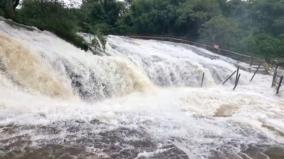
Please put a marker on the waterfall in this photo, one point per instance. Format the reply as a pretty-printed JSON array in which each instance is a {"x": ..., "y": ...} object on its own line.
[
  {"x": 172, "y": 64},
  {"x": 54, "y": 67},
  {"x": 25, "y": 69},
  {"x": 142, "y": 99},
  {"x": 135, "y": 65}
]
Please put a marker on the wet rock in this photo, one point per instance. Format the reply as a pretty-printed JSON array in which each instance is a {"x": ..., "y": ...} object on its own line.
[
  {"x": 8, "y": 129},
  {"x": 275, "y": 152},
  {"x": 224, "y": 155},
  {"x": 171, "y": 152},
  {"x": 73, "y": 129},
  {"x": 255, "y": 153},
  {"x": 226, "y": 111},
  {"x": 96, "y": 122},
  {"x": 118, "y": 143},
  {"x": 48, "y": 130},
  {"x": 52, "y": 152},
  {"x": 250, "y": 152}
]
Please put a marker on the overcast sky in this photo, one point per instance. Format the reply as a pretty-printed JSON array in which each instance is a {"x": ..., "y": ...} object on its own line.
[
  {"x": 77, "y": 2},
  {"x": 74, "y": 3}
]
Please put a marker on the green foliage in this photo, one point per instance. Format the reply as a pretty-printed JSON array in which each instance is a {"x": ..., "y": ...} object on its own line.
[
  {"x": 172, "y": 17},
  {"x": 2, "y": 8},
  {"x": 152, "y": 16},
  {"x": 52, "y": 16},
  {"x": 251, "y": 26},
  {"x": 100, "y": 15},
  {"x": 7, "y": 8},
  {"x": 266, "y": 45},
  {"x": 220, "y": 30},
  {"x": 1, "y": 12},
  {"x": 269, "y": 16},
  {"x": 255, "y": 26},
  {"x": 100, "y": 39},
  {"x": 193, "y": 14}
]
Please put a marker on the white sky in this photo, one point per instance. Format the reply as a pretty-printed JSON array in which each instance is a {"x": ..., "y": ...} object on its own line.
[{"x": 77, "y": 2}]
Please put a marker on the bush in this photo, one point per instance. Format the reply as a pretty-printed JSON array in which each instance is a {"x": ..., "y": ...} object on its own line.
[
  {"x": 266, "y": 46},
  {"x": 220, "y": 30},
  {"x": 1, "y": 13},
  {"x": 53, "y": 16}
]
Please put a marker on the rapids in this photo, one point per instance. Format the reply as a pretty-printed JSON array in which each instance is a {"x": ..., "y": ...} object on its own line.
[{"x": 142, "y": 101}]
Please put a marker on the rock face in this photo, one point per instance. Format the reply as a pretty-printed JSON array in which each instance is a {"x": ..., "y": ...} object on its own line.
[
  {"x": 137, "y": 103},
  {"x": 226, "y": 111},
  {"x": 81, "y": 140}
]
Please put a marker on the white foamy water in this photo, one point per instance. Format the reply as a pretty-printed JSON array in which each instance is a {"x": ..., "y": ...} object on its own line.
[{"x": 145, "y": 85}]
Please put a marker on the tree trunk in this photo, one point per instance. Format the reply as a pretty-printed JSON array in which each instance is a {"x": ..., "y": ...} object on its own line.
[
  {"x": 9, "y": 10},
  {"x": 9, "y": 7}
]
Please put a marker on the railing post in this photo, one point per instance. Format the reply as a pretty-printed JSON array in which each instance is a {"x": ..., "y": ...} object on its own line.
[
  {"x": 279, "y": 85},
  {"x": 274, "y": 76},
  {"x": 202, "y": 80},
  {"x": 238, "y": 70},
  {"x": 251, "y": 61},
  {"x": 255, "y": 73},
  {"x": 229, "y": 77},
  {"x": 237, "y": 82}
]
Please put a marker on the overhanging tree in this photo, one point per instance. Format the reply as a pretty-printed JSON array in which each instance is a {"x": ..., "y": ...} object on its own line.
[{"x": 8, "y": 7}]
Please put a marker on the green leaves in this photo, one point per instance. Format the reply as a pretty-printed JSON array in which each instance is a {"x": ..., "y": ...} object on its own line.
[
  {"x": 101, "y": 14},
  {"x": 267, "y": 46},
  {"x": 220, "y": 30},
  {"x": 51, "y": 15},
  {"x": 7, "y": 8},
  {"x": 255, "y": 26}
]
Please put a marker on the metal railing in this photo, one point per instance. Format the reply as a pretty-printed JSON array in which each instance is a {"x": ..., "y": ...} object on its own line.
[{"x": 252, "y": 60}]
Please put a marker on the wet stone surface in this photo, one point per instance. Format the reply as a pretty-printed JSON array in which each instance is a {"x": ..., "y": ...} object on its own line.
[
  {"x": 250, "y": 152},
  {"x": 79, "y": 139}
]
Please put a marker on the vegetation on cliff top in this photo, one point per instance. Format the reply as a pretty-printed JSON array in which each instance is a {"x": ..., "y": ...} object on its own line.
[{"x": 252, "y": 26}]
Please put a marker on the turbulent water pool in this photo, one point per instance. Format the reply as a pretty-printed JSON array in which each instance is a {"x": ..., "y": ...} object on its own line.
[{"x": 142, "y": 101}]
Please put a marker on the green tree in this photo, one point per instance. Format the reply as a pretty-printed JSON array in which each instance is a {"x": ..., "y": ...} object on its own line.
[
  {"x": 192, "y": 14},
  {"x": 51, "y": 15},
  {"x": 266, "y": 46},
  {"x": 100, "y": 15},
  {"x": 268, "y": 15},
  {"x": 153, "y": 16},
  {"x": 8, "y": 7},
  {"x": 220, "y": 30},
  {"x": 255, "y": 26}
]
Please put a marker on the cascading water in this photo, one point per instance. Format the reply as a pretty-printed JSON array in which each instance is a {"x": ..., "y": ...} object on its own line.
[
  {"x": 143, "y": 101},
  {"x": 27, "y": 70},
  {"x": 92, "y": 77},
  {"x": 171, "y": 64}
]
